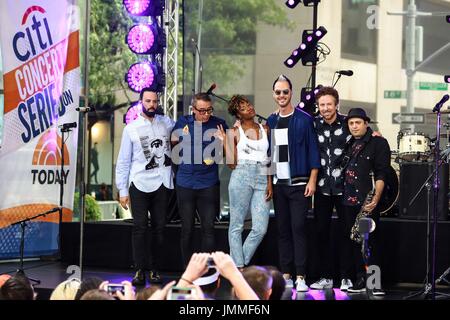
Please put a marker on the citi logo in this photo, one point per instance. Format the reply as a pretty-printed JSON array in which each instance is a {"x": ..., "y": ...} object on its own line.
[
  {"x": 48, "y": 153},
  {"x": 25, "y": 43}
]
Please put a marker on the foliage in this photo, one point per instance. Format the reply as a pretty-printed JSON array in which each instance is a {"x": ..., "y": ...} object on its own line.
[
  {"x": 109, "y": 54},
  {"x": 227, "y": 28},
  {"x": 92, "y": 207}
]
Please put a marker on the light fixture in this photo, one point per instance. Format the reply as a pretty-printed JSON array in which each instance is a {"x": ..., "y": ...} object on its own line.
[
  {"x": 144, "y": 7},
  {"x": 447, "y": 78},
  {"x": 146, "y": 39},
  {"x": 307, "y": 49},
  {"x": 292, "y": 3},
  {"x": 308, "y": 99},
  {"x": 144, "y": 75}
]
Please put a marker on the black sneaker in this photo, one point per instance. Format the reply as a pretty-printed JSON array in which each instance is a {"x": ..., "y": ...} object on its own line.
[
  {"x": 358, "y": 287},
  {"x": 154, "y": 277},
  {"x": 139, "y": 278}
]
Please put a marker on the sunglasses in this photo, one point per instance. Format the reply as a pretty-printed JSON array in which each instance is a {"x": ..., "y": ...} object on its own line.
[
  {"x": 204, "y": 111},
  {"x": 285, "y": 92}
]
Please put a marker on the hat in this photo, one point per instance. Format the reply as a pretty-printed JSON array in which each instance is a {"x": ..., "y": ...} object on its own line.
[{"x": 357, "y": 113}]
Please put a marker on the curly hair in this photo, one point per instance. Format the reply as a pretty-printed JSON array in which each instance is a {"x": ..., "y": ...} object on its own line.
[
  {"x": 235, "y": 102},
  {"x": 324, "y": 91}
]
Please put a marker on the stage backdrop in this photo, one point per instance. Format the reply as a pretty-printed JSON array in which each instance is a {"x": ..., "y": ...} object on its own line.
[{"x": 40, "y": 52}]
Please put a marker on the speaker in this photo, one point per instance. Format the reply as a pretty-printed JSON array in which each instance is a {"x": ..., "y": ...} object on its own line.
[{"x": 412, "y": 177}]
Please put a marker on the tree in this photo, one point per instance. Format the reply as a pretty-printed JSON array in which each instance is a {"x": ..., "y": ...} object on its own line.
[
  {"x": 229, "y": 28},
  {"x": 110, "y": 57}
]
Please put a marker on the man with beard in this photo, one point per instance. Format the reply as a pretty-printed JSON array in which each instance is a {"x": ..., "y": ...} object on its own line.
[{"x": 144, "y": 177}]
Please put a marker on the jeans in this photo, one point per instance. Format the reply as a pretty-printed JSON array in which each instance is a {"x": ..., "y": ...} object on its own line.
[{"x": 247, "y": 191}]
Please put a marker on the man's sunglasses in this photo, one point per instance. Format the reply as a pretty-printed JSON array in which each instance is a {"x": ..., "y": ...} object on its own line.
[
  {"x": 204, "y": 111},
  {"x": 285, "y": 92}
]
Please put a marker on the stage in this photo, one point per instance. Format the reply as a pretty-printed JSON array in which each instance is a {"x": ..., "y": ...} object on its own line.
[{"x": 107, "y": 244}]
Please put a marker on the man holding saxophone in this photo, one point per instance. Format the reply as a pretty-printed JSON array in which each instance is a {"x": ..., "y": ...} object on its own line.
[{"x": 367, "y": 157}]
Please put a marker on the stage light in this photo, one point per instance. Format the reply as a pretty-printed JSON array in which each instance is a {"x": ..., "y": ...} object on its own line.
[
  {"x": 144, "y": 7},
  {"x": 133, "y": 112},
  {"x": 307, "y": 49},
  {"x": 307, "y": 3},
  {"x": 310, "y": 3},
  {"x": 146, "y": 39},
  {"x": 292, "y": 3},
  {"x": 447, "y": 18},
  {"x": 308, "y": 99},
  {"x": 447, "y": 78},
  {"x": 144, "y": 74}
]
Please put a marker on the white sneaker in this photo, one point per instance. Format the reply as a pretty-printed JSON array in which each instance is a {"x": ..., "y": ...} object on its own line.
[
  {"x": 289, "y": 283},
  {"x": 322, "y": 284},
  {"x": 301, "y": 285},
  {"x": 346, "y": 284}
]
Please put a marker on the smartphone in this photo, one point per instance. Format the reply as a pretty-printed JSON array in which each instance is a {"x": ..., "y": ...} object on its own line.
[
  {"x": 179, "y": 293},
  {"x": 210, "y": 262},
  {"x": 111, "y": 288}
]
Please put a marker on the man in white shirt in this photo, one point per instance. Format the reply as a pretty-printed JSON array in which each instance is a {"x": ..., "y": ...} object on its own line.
[{"x": 143, "y": 178}]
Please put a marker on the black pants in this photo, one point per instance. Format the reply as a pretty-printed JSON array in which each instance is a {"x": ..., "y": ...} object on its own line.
[
  {"x": 207, "y": 203},
  {"x": 323, "y": 210},
  {"x": 147, "y": 251},
  {"x": 354, "y": 254},
  {"x": 291, "y": 208}
]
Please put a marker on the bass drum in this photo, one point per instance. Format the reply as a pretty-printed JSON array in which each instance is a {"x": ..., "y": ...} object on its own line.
[{"x": 390, "y": 192}]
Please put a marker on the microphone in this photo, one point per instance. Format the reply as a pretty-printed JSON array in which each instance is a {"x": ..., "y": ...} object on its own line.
[
  {"x": 68, "y": 125},
  {"x": 210, "y": 90},
  {"x": 85, "y": 109},
  {"x": 439, "y": 105},
  {"x": 347, "y": 73}
]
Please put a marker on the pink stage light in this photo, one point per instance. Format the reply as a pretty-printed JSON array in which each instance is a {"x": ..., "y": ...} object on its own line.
[
  {"x": 141, "y": 38},
  {"x": 140, "y": 75},
  {"x": 133, "y": 112}
]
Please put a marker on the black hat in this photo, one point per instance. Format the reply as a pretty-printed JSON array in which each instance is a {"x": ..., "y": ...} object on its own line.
[{"x": 357, "y": 113}]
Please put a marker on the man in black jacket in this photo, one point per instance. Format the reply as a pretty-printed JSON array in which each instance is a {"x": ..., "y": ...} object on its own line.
[{"x": 368, "y": 155}]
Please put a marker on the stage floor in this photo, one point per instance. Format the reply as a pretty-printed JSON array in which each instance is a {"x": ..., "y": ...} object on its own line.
[{"x": 52, "y": 273}]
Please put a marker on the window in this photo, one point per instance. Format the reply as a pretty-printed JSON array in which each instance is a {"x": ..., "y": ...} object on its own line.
[{"x": 357, "y": 40}]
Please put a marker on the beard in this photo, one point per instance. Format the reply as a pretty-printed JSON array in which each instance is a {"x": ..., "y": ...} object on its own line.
[{"x": 148, "y": 113}]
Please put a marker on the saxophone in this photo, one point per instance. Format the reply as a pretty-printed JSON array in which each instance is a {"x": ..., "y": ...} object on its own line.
[{"x": 354, "y": 234}]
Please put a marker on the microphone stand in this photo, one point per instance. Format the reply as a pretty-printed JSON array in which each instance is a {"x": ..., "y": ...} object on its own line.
[
  {"x": 23, "y": 224},
  {"x": 339, "y": 76}
]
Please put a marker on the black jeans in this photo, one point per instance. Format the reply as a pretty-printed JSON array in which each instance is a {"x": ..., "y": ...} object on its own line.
[
  {"x": 207, "y": 203},
  {"x": 353, "y": 254},
  {"x": 147, "y": 251},
  {"x": 323, "y": 210},
  {"x": 291, "y": 208}
]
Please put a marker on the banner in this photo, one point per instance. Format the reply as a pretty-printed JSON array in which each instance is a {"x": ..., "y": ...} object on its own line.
[{"x": 41, "y": 76}]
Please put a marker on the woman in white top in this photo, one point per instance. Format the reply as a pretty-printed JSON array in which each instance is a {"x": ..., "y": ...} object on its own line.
[{"x": 250, "y": 187}]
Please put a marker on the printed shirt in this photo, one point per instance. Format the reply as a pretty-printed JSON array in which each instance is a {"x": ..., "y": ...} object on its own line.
[
  {"x": 332, "y": 140},
  {"x": 144, "y": 157}
]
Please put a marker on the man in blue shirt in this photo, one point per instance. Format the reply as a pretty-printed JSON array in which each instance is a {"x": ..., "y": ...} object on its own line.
[
  {"x": 196, "y": 151},
  {"x": 295, "y": 161}
]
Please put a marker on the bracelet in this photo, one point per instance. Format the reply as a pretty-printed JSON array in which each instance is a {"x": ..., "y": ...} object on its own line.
[{"x": 188, "y": 281}]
